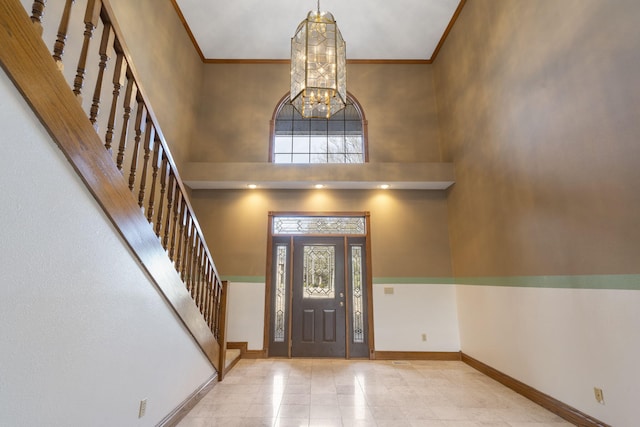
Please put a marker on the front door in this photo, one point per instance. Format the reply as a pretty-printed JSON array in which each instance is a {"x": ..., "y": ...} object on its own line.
[
  {"x": 318, "y": 323},
  {"x": 318, "y": 291}
]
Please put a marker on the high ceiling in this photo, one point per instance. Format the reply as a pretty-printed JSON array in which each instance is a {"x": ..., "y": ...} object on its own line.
[{"x": 392, "y": 30}]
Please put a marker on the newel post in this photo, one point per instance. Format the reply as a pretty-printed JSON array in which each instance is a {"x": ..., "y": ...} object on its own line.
[{"x": 222, "y": 325}]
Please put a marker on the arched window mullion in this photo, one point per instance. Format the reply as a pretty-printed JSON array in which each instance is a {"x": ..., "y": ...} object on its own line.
[{"x": 281, "y": 133}]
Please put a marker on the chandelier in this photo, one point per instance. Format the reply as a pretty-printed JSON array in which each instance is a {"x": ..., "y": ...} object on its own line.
[{"x": 318, "y": 66}]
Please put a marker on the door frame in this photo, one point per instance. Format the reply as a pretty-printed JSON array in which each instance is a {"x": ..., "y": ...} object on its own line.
[{"x": 368, "y": 282}]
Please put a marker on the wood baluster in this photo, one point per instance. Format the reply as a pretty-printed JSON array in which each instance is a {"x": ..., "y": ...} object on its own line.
[
  {"x": 37, "y": 12},
  {"x": 149, "y": 136},
  {"x": 208, "y": 305},
  {"x": 209, "y": 287},
  {"x": 154, "y": 177},
  {"x": 141, "y": 118},
  {"x": 203, "y": 275},
  {"x": 168, "y": 217},
  {"x": 183, "y": 252},
  {"x": 213, "y": 292},
  {"x": 180, "y": 254},
  {"x": 194, "y": 267},
  {"x": 105, "y": 52},
  {"x": 124, "y": 134},
  {"x": 180, "y": 236},
  {"x": 58, "y": 46},
  {"x": 212, "y": 299},
  {"x": 212, "y": 296},
  {"x": 118, "y": 79},
  {"x": 200, "y": 278},
  {"x": 193, "y": 255},
  {"x": 91, "y": 16},
  {"x": 189, "y": 260},
  {"x": 207, "y": 312},
  {"x": 185, "y": 247},
  {"x": 205, "y": 304},
  {"x": 205, "y": 284},
  {"x": 216, "y": 325},
  {"x": 214, "y": 312},
  {"x": 174, "y": 223},
  {"x": 196, "y": 271},
  {"x": 215, "y": 309},
  {"x": 163, "y": 190}
]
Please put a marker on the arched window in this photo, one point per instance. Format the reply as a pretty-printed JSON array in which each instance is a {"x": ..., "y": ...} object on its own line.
[{"x": 340, "y": 139}]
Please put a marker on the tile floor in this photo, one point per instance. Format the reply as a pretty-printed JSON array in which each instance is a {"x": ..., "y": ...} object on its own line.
[{"x": 328, "y": 393}]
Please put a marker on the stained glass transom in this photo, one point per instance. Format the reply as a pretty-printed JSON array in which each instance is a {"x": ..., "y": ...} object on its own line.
[
  {"x": 356, "y": 291},
  {"x": 318, "y": 278},
  {"x": 281, "y": 294},
  {"x": 288, "y": 225}
]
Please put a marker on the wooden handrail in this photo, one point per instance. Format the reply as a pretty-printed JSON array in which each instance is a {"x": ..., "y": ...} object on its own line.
[
  {"x": 111, "y": 174},
  {"x": 109, "y": 12}
]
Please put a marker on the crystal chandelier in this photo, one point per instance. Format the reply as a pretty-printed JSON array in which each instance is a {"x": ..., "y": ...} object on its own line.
[{"x": 318, "y": 66}]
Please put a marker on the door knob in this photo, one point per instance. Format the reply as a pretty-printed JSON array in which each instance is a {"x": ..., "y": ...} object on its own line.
[
  {"x": 341, "y": 304},
  {"x": 341, "y": 295}
]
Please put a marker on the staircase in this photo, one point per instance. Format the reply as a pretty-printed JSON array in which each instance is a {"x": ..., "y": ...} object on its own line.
[{"x": 108, "y": 131}]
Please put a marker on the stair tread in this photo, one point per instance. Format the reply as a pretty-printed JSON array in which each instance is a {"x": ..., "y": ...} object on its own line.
[{"x": 231, "y": 356}]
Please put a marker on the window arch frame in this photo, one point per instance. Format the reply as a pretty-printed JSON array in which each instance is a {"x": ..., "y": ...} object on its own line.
[{"x": 286, "y": 98}]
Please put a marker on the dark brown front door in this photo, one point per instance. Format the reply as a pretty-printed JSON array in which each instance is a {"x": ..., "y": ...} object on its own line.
[
  {"x": 318, "y": 300},
  {"x": 318, "y": 317}
]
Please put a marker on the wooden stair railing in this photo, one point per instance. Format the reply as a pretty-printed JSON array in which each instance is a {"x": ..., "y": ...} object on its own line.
[{"x": 127, "y": 167}]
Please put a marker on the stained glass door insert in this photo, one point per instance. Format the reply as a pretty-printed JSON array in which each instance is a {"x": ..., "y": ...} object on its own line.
[
  {"x": 319, "y": 272},
  {"x": 280, "y": 308},
  {"x": 359, "y": 294},
  {"x": 356, "y": 294},
  {"x": 281, "y": 294}
]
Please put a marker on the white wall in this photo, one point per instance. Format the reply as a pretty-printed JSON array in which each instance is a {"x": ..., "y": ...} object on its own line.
[
  {"x": 562, "y": 342},
  {"x": 84, "y": 335},
  {"x": 245, "y": 308},
  {"x": 401, "y": 318}
]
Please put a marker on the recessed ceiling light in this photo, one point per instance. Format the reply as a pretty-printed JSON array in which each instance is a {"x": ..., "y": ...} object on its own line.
[
  {"x": 252, "y": 186},
  {"x": 384, "y": 186},
  {"x": 319, "y": 186}
]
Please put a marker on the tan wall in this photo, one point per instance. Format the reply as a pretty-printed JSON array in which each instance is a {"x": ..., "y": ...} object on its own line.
[
  {"x": 238, "y": 100},
  {"x": 539, "y": 105},
  {"x": 168, "y": 64},
  {"x": 408, "y": 228}
]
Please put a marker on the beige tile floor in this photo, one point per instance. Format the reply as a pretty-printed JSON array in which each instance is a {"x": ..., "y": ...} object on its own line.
[{"x": 328, "y": 393}]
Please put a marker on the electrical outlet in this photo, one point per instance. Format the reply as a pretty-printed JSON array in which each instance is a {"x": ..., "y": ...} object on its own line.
[
  {"x": 143, "y": 408},
  {"x": 424, "y": 337},
  {"x": 599, "y": 395}
]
